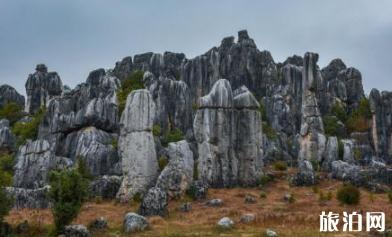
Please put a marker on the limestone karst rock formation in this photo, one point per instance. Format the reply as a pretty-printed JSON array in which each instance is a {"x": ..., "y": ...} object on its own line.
[
  {"x": 8, "y": 94},
  {"x": 41, "y": 87},
  {"x": 136, "y": 145},
  {"x": 222, "y": 134},
  {"x": 7, "y": 138}
]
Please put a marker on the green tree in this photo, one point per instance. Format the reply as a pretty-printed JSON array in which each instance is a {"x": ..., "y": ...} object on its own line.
[
  {"x": 133, "y": 82},
  {"x": 12, "y": 112},
  {"x": 68, "y": 192},
  {"x": 358, "y": 120},
  {"x": 28, "y": 130},
  {"x": 173, "y": 135}
]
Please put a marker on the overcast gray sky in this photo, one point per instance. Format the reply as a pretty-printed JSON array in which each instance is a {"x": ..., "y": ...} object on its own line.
[{"x": 75, "y": 37}]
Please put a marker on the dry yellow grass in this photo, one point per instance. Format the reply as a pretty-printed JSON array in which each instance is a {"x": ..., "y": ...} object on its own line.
[{"x": 300, "y": 218}]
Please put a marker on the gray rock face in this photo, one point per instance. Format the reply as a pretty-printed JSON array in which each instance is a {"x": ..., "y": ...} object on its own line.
[
  {"x": 154, "y": 203},
  {"x": 166, "y": 65},
  {"x": 105, "y": 186},
  {"x": 347, "y": 172},
  {"x": 353, "y": 82},
  {"x": 41, "y": 87},
  {"x": 330, "y": 154},
  {"x": 136, "y": 145},
  {"x": 7, "y": 138},
  {"x": 312, "y": 139},
  {"x": 8, "y": 94},
  {"x": 99, "y": 223},
  {"x": 223, "y": 126},
  {"x": 29, "y": 198},
  {"x": 240, "y": 63},
  {"x": 381, "y": 126},
  {"x": 248, "y": 218},
  {"x": 34, "y": 161},
  {"x": 95, "y": 147},
  {"x": 134, "y": 223},
  {"x": 173, "y": 102},
  {"x": 177, "y": 176},
  {"x": 199, "y": 190},
  {"x": 76, "y": 231}
]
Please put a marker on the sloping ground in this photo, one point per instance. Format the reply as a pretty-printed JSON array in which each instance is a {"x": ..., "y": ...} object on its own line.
[{"x": 299, "y": 218}]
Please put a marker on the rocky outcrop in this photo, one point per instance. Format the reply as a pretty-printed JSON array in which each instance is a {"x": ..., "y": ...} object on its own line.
[
  {"x": 353, "y": 81},
  {"x": 8, "y": 94},
  {"x": 312, "y": 139},
  {"x": 136, "y": 145},
  {"x": 134, "y": 223},
  {"x": 76, "y": 231},
  {"x": 41, "y": 87},
  {"x": 95, "y": 147},
  {"x": 330, "y": 155},
  {"x": 177, "y": 176},
  {"x": 29, "y": 198},
  {"x": 221, "y": 135},
  {"x": 34, "y": 161},
  {"x": 166, "y": 65},
  {"x": 7, "y": 138},
  {"x": 154, "y": 203},
  {"x": 173, "y": 102},
  {"x": 381, "y": 126},
  {"x": 105, "y": 187}
]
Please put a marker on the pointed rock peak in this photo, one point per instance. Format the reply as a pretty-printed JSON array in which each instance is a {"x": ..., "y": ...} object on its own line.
[
  {"x": 294, "y": 60},
  {"x": 220, "y": 96},
  {"x": 227, "y": 42},
  {"x": 337, "y": 63},
  {"x": 243, "y": 98},
  {"x": 41, "y": 68},
  {"x": 243, "y": 35}
]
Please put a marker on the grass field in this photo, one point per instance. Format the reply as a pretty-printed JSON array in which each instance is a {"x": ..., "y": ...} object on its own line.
[{"x": 299, "y": 218}]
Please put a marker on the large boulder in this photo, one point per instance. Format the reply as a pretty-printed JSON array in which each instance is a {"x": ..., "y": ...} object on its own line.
[
  {"x": 154, "y": 203},
  {"x": 305, "y": 175},
  {"x": 76, "y": 231},
  {"x": 331, "y": 153},
  {"x": 34, "y": 161},
  {"x": 136, "y": 145},
  {"x": 41, "y": 87},
  {"x": 105, "y": 186},
  {"x": 177, "y": 176},
  {"x": 7, "y": 138},
  {"x": 134, "y": 223},
  {"x": 8, "y": 94}
]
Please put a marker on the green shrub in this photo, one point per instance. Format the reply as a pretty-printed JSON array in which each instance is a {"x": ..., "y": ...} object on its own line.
[
  {"x": 195, "y": 107},
  {"x": 338, "y": 111},
  {"x": 28, "y": 130},
  {"x": 137, "y": 198},
  {"x": 265, "y": 179},
  {"x": 174, "y": 135},
  {"x": 390, "y": 196},
  {"x": 315, "y": 189},
  {"x": 280, "y": 166},
  {"x": 358, "y": 121},
  {"x": 269, "y": 132},
  {"x": 263, "y": 111},
  {"x": 6, "y": 169},
  {"x": 340, "y": 149},
  {"x": 12, "y": 112},
  {"x": 114, "y": 143},
  {"x": 5, "y": 203},
  {"x": 195, "y": 171},
  {"x": 263, "y": 194},
  {"x": 82, "y": 169},
  {"x": 162, "y": 162},
  {"x": 156, "y": 130},
  {"x": 331, "y": 126},
  {"x": 68, "y": 192},
  {"x": 348, "y": 194},
  {"x": 325, "y": 197},
  {"x": 133, "y": 82},
  {"x": 357, "y": 154}
]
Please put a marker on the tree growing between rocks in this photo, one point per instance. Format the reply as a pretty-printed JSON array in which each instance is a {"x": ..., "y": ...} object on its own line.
[
  {"x": 133, "y": 82},
  {"x": 68, "y": 192}
]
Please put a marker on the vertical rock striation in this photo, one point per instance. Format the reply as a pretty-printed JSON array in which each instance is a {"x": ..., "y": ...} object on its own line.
[{"x": 136, "y": 145}]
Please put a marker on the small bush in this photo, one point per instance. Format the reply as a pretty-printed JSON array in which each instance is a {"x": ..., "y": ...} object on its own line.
[
  {"x": 195, "y": 171},
  {"x": 265, "y": 179},
  {"x": 280, "y": 166},
  {"x": 12, "y": 112},
  {"x": 331, "y": 126},
  {"x": 358, "y": 120},
  {"x": 390, "y": 196},
  {"x": 156, "y": 130},
  {"x": 5, "y": 204},
  {"x": 325, "y": 197},
  {"x": 82, "y": 169},
  {"x": 137, "y": 198},
  {"x": 6, "y": 169},
  {"x": 114, "y": 143},
  {"x": 263, "y": 111},
  {"x": 28, "y": 130},
  {"x": 357, "y": 154},
  {"x": 195, "y": 107},
  {"x": 269, "y": 132},
  {"x": 68, "y": 192},
  {"x": 133, "y": 82},
  {"x": 162, "y": 162},
  {"x": 315, "y": 189},
  {"x": 263, "y": 194},
  {"x": 348, "y": 194},
  {"x": 338, "y": 111},
  {"x": 174, "y": 135}
]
